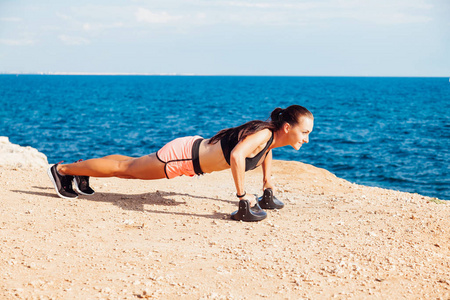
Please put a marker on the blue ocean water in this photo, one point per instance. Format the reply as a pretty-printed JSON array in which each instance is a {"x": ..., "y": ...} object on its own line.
[{"x": 386, "y": 132}]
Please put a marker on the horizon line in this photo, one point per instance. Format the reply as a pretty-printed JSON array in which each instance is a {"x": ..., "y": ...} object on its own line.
[{"x": 211, "y": 75}]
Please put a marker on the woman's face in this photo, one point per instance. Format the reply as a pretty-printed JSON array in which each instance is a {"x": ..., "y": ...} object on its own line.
[{"x": 299, "y": 133}]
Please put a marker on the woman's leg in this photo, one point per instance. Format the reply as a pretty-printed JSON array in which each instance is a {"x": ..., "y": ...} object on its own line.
[
  {"x": 145, "y": 167},
  {"x": 118, "y": 157}
]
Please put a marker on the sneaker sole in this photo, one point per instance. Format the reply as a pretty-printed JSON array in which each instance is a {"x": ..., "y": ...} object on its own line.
[
  {"x": 50, "y": 175},
  {"x": 77, "y": 189}
]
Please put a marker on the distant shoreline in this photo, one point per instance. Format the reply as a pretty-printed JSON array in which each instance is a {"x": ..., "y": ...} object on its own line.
[
  {"x": 98, "y": 74},
  {"x": 204, "y": 75}
]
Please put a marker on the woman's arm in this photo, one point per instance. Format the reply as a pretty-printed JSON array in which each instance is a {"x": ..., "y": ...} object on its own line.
[
  {"x": 267, "y": 172},
  {"x": 237, "y": 159}
]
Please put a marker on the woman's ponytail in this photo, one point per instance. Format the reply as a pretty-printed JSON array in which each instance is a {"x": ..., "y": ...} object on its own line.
[{"x": 275, "y": 116}]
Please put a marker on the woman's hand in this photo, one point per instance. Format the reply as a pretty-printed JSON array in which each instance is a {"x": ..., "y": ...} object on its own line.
[
  {"x": 250, "y": 198},
  {"x": 269, "y": 185}
]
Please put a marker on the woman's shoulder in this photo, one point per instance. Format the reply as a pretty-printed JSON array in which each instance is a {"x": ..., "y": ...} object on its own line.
[
  {"x": 262, "y": 135},
  {"x": 266, "y": 132}
]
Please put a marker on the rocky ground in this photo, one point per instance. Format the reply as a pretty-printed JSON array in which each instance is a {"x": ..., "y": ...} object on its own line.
[{"x": 170, "y": 239}]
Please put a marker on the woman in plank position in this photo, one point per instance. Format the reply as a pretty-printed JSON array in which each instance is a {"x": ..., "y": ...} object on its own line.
[{"x": 241, "y": 148}]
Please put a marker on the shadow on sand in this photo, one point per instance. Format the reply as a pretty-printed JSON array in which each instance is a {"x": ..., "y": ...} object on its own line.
[{"x": 137, "y": 202}]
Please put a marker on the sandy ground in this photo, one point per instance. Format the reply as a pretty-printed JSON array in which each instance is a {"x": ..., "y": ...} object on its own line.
[{"x": 171, "y": 239}]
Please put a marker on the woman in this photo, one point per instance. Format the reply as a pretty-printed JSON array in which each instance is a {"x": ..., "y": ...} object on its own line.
[{"x": 241, "y": 148}]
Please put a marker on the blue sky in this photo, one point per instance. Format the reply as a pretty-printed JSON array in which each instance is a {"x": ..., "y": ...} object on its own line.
[{"x": 261, "y": 37}]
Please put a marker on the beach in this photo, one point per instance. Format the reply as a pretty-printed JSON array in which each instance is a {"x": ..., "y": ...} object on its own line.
[{"x": 174, "y": 239}]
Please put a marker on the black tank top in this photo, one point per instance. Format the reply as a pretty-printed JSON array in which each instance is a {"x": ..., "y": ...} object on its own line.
[{"x": 229, "y": 141}]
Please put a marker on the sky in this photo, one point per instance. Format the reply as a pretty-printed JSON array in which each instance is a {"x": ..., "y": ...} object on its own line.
[{"x": 213, "y": 37}]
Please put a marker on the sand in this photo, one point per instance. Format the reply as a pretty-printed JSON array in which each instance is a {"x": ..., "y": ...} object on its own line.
[{"x": 174, "y": 239}]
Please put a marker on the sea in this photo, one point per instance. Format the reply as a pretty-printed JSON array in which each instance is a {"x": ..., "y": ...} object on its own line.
[{"x": 387, "y": 132}]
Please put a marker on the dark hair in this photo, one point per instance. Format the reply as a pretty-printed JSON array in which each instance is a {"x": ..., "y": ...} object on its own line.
[{"x": 278, "y": 117}]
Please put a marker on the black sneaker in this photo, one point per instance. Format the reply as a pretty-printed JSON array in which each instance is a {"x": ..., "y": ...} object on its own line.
[
  {"x": 81, "y": 184},
  {"x": 62, "y": 184}
]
